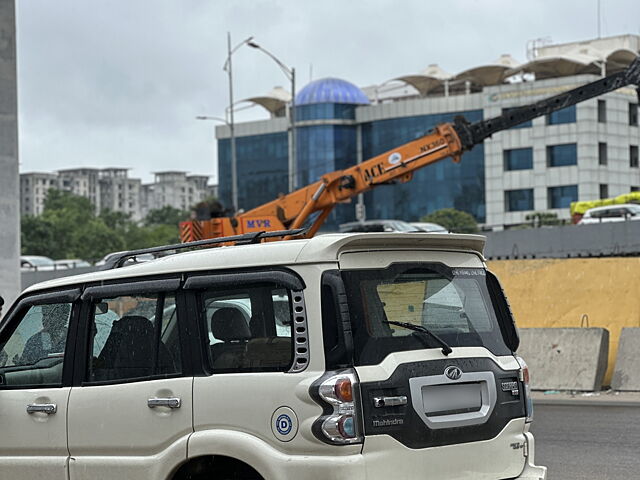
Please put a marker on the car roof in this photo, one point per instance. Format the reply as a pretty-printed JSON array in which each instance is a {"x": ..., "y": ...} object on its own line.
[{"x": 319, "y": 249}]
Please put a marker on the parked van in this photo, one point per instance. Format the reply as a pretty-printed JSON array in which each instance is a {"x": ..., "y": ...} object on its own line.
[{"x": 362, "y": 356}]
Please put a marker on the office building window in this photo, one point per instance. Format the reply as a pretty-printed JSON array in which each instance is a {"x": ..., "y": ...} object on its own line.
[
  {"x": 635, "y": 188},
  {"x": 526, "y": 124},
  {"x": 602, "y": 153},
  {"x": 633, "y": 114},
  {"x": 566, "y": 115},
  {"x": 562, "y": 155},
  {"x": 602, "y": 111},
  {"x": 633, "y": 156},
  {"x": 518, "y": 200},
  {"x": 604, "y": 190},
  {"x": 562, "y": 196},
  {"x": 518, "y": 159}
]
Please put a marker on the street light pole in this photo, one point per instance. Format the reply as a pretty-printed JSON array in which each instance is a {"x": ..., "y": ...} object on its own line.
[
  {"x": 290, "y": 73},
  {"x": 293, "y": 167},
  {"x": 234, "y": 160}
]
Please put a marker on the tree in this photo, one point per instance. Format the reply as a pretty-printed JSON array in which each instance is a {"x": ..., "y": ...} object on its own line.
[
  {"x": 453, "y": 220},
  {"x": 69, "y": 228},
  {"x": 37, "y": 237},
  {"x": 165, "y": 216},
  {"x": 94, "y": 240}
]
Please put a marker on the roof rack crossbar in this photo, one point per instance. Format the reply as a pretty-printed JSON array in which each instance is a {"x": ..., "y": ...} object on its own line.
[{"x": 117, "y": 260}]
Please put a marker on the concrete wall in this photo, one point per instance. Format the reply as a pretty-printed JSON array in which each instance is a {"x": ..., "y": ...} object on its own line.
[
  {"x": 626, "y": 374},
  {"x": 9, "y": 185},
  {"x": 594, "y": 292},
  {"x": 606, "y": 239},
  {"x": 565, "y": 358},
  {"x": 31, "y": 278}
]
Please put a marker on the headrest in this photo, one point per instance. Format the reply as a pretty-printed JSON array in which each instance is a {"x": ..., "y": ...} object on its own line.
[
  {"x": 229, "y": 324},
  {"x": 134, "y": 325}
]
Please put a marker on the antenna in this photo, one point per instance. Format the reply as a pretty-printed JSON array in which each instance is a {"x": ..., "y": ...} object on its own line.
[{"x": 534, "y": 45}]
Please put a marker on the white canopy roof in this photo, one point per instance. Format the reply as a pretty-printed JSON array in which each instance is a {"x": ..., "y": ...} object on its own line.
[
  {"x": 274, "y": 101},
  {"x": 490, "y": 74},
  {"x": 429, "y": 79}
]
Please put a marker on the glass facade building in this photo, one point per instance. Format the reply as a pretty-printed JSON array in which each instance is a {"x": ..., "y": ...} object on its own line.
[
  {"x": 262, "y": 169},
  {"x": 326, "y": 147},
  {"x": 444, "y": 184}
]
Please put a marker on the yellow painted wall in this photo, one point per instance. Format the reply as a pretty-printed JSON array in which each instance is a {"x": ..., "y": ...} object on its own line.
[{"x": 558, "y": 292}]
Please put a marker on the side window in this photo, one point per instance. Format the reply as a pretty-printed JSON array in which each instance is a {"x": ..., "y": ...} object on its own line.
[
  {"x": 33, "y": 353},
  {"x": 134, "y": 337},
  {"x": 248, "y": 328}
]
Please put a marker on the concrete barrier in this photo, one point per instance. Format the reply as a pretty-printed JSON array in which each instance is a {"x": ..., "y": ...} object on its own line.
[
  {"x": 565, "y": 358},
  {"x": 626, "y": 373}
]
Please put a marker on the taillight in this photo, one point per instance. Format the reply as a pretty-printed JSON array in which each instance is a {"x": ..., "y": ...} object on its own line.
[
  {"x": 524, "y": 378},
  {"x": 341, "y": 426}
]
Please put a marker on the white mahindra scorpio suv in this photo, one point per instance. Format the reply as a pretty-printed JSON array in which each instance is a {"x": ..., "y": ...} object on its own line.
[{"x": 366, "y": 356}]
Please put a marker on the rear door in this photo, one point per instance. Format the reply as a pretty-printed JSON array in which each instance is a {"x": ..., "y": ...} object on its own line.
[
  {"x": 413, "y": 391},
  {"x": 35, "y": 373},
  {"x": 130, "y": 414}
]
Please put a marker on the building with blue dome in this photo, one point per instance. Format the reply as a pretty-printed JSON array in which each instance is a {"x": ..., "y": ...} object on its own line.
[
  {"x": 326, "y": 132},
  {"x": 585, "y": 152},
  {"x": 330, "y": 136}
]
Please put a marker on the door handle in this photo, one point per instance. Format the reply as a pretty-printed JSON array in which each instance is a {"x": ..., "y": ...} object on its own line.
[
  {"x": 48, "y": 408},
  {"x": 164, "y": 402},
  {"x": 389, "y": 401}
]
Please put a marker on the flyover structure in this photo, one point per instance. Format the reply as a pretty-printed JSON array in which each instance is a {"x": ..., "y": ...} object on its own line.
[{"x": 9, "y": 187}]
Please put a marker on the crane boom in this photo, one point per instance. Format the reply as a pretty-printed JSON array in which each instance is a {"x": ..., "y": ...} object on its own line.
[{"x": 316, "y": 200}]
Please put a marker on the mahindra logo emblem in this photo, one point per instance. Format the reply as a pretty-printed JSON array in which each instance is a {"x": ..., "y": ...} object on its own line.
[{"x": 454, "y": 373}]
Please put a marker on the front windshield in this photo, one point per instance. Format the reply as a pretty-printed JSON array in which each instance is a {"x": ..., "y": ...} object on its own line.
[
  {"x": 404, "y": 227},
  {"x": 634, "y": 209},
  {"x": 452, "y": 303},
  {"x": 40, "y": 261}
]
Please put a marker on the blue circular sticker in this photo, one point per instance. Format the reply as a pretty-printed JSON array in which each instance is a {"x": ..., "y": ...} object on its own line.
[{"x": 284, "y": 424}]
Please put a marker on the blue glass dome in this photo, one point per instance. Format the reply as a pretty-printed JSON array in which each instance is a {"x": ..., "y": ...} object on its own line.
[{"x": 331, "y": 90}]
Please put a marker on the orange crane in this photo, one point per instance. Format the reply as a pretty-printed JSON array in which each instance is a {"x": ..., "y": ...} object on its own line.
[{"x": 315, "y": 201}]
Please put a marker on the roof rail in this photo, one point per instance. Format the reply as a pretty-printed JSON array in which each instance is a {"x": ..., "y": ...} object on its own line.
[{"x": 117, "y": 259}]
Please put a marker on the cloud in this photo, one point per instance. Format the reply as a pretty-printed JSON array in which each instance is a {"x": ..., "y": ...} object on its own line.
[{"x": 119, "y": 82}]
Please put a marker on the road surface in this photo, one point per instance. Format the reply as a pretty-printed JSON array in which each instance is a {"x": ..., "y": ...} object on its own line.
[{"x": 588, "y": 442}]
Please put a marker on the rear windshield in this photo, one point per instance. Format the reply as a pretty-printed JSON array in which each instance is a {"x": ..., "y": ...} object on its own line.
[{"x": 452, "y": 303}]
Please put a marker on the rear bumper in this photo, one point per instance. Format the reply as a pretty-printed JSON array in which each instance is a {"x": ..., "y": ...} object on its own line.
[
  {"x": 531, "y": 471},
  {"x": 510, "y": 455}
]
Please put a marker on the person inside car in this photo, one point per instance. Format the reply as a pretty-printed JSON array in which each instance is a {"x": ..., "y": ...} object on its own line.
[{"x": 52, "y": 338}]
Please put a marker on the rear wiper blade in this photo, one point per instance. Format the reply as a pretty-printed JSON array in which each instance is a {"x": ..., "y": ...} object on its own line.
[{"x": 446, "y": 349}]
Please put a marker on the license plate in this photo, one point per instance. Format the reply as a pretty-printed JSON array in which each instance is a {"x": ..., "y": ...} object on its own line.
[{"x": 449, "y": 398}]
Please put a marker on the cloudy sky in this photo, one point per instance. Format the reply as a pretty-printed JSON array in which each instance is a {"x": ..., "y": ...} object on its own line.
[{"x": 119, "y": 82}]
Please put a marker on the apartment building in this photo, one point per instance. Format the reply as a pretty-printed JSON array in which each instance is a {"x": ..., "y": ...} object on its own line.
[{"x": 112, "y": 189}]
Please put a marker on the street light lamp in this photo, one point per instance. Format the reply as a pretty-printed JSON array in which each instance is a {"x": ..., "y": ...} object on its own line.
[
  {"x": 290, "y": 73},
  {"x": 218, "y": 119},
  {"x": 234, "y": 163}
]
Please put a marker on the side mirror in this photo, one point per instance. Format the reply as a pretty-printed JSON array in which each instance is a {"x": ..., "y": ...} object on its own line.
[{"x": 102, "y": 307}]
